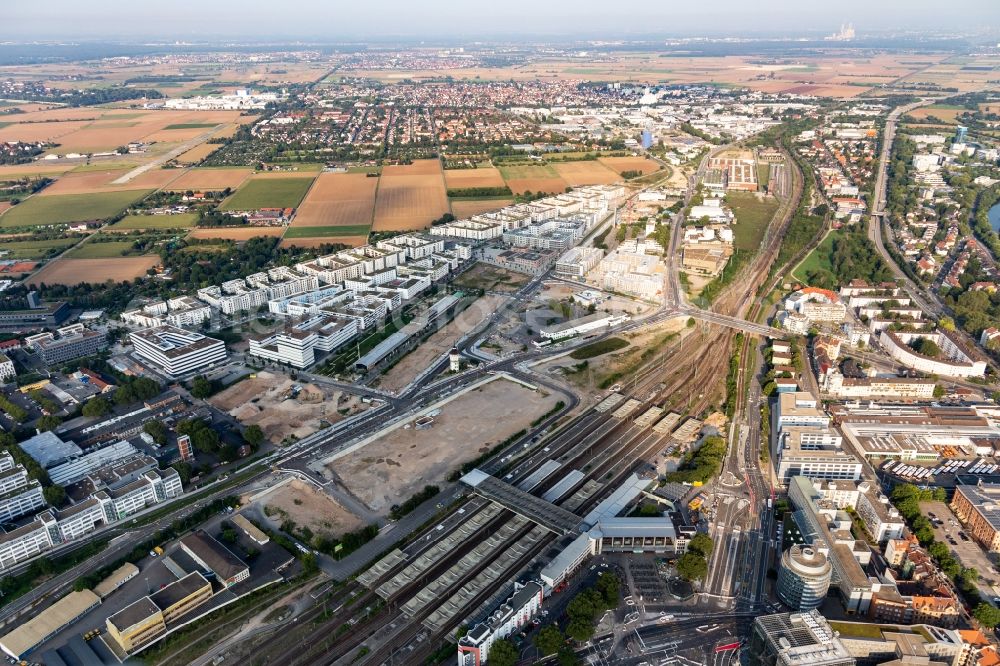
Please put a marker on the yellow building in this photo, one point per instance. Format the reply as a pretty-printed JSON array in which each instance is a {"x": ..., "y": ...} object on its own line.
[{"x": 146, "y": 620}]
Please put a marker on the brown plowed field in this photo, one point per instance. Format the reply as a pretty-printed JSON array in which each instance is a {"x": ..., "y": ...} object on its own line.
[
  {"x": 585, "y": 173},
  {"x": 236, "y": 233},
  {"x": 75, "y": 271},
  {"x": 85, "y": 182},
  {"x": 482, "y": 177},
  {"x": 210, "y": 179},
  {"x": 338, "y": 199},
  {"x": 550, "y": 185},
  {"x": 410, "y": 197},
  {"x": 465, "y": 209},
  {"x": 619, "y": 164}
]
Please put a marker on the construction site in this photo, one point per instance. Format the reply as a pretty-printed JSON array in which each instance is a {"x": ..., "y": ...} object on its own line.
[
  {"x": 284, "y": 409},
  {"x": 400, "y": 462}
]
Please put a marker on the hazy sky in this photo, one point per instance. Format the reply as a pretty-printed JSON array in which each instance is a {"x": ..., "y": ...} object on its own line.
[{"x": 334, "y": 19}]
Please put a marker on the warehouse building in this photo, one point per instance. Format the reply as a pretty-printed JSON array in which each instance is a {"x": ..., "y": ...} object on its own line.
[
  {"x": 25, "y": 638},
  {"x": 177, "y": 352},
  {"x": 214, "y": 558},
  {"x": 593, "y": 322}
]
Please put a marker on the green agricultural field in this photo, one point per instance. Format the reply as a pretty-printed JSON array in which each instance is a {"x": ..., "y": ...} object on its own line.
[
  {"x": 179, "y": 126},
  {"x": 269, "y": 193},
  {"x": 328, "y": 232},
  {"x": 65, "y": 208},
  {"x": 752, "y": 217},
  {"x": 518, "y": 171},
  {"x": 107, "y": 250},
  {"x": 181, "y": 221},
  {"x": 36, "y": 249}
]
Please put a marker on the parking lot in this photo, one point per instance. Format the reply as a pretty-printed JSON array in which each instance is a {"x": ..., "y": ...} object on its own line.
[{"x": 969, "y": 554}]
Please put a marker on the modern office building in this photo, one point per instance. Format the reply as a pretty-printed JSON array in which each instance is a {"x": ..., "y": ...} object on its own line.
[
  {"x": 68, "y": 343},
  {"x": 796, "y": 639},
  {"x": 297, "y": 344},
  {"x": 47, "y": 315},
  {"x": 175, "y": 351},
  {"x": 815, "y": 452},
  {"x": 803, "y": 578}
]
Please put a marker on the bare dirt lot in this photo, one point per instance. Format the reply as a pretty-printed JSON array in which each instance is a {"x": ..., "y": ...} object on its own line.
[
  {"x": 585, "y": 173},
  {"x": 491, "y": 278},
  {"x": 76, "y": 271},
  {"x": 399, "y": 464},
  {"x": 338, "y": 199},
  {"x": 266, "y": 400},
  {"x": 410, "y": 197},
  {"x": 416, "y": 361},
  {"x": 620, "y": 164},
  {"x": 309, "y": 507}
]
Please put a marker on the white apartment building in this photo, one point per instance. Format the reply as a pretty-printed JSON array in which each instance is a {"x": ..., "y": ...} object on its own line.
[
  {"x": 515, "y": 613},
  {"x": 881, "y": 519},
  {"x": 233, "y": 296},
  {"x": 297, "y": 344},
  {"x": 7, "y": 372},
  {"x": 52, "y": 527},
  {"x": 22, "y": 500},
  {"x": 473, "y": 230},
  {"x": 956, "y": 361},
  {"x": 176, "y": 351},
  {"x": 575, "y": 263},
  {"x": 24, "y": 543}
]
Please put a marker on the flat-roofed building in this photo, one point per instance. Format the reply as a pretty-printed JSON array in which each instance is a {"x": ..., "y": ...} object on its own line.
[
  {"x": 68, "y": 343},
  {"x": 7, "y": 371},
  {"x": 978, "y": 508},
  {"x": 25, "y": 542},
  {"x": 29, "y": 635},
  {"x": 136, "y": 625},
  {"x": 816, "y": 453},
  {"x": 796, "y": 639},
  {"x": 147, "y": 619},
  {"x": 116, "y": 579},
  {"x": 176, "y": 351},
  {"x": 297, "y": 343},
  {"x": 881, "y": 518},
  {"x": 251, "y": 530},
  {"x": 800, "y": 409},
  {"x": 514, "y": 613},
  {"x": 215, "y": 558}
]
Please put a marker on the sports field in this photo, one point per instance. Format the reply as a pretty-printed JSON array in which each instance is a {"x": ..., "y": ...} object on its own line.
[
  {"x": 338, "y": 199},
  {"x": 262, "y": 192},
  {"x": 410, "y": 196},
  {"x": 65, "y": 208},
  {"x": 181, "y": 221}
]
